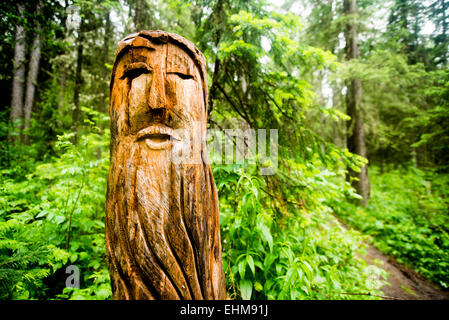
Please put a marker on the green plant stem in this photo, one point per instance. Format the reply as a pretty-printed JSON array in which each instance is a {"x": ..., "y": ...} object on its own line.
[{"x": 370, "y": 294}]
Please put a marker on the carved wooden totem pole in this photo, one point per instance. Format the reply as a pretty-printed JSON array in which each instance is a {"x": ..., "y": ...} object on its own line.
[{"x": 162, "y": 222}]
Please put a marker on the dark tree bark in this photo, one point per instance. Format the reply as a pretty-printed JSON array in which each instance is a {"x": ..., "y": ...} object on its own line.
[
  {"x": 355, "y": 131},
  {"x": 19, "y": 69}
]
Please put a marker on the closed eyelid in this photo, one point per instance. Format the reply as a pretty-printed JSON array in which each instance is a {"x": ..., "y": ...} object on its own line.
[
  {"x": 184, "y": 76},
  {"x": 136, "y": 68}
]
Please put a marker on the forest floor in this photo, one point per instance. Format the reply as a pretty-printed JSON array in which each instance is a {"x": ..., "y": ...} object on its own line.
[{"x": 405, "y": 284}]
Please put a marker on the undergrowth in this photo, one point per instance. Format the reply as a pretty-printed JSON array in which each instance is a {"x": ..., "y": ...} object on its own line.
[
  {"x": 408, "y": 218},
  {"x": 274, "y": 247}
]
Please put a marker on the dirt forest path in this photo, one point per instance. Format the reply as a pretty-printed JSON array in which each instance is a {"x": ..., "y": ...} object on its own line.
[{"x": 405, "y": 283}]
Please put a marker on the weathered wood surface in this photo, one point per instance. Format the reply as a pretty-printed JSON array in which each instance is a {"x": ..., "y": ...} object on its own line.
[{"x": 162, "y": 222}]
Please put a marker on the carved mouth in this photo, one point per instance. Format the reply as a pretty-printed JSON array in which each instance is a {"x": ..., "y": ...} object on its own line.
[{"x": 158, "y": 137}]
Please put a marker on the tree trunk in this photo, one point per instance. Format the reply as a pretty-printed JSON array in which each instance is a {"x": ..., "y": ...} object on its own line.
[
  {"x": 140, "y": 15},
  {"x": 444, "y": 25},
  {"x": 33, "y": 70},
  {"x": 217, "y": 14},
  {"x": 78, "y": 80},
  {"x": 62, "y": 63},
  {"x": 104, "y": 70},
  {"x": 337, "y": 139},
  {"x": 355, "y": 132},
  {"x": 62, "y": 84},
  {"x": 19, "y": 70},
  {"x": 137, "y": 16}
]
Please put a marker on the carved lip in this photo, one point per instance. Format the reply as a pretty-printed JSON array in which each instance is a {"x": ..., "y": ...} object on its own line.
[{"x": 158, "y": 137}]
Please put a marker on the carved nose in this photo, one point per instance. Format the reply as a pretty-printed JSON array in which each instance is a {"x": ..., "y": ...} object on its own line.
[
  {"x": 158, "y": 115},
  {"x": 157, "y": 95}
]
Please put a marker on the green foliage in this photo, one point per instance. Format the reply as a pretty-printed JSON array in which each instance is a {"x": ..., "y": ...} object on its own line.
[
  {"x": 434, "y": 131},
  {"x": 268, "y": 68},
  {"x": 276, "y": 247},
  {"x": 394, "y": 101},
  {"x": 301, "y": 253},
  {"x": 99, "y": 287},
  {"x": 408, "y": 219},
  {"x": 53, "y": 217}
]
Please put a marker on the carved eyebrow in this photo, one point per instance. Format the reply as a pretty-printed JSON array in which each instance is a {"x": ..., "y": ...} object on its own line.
[
  {"x": 135, "y": 69},
  {"x": 135, "y": 43},
  {"x": 184, "y": 76}
]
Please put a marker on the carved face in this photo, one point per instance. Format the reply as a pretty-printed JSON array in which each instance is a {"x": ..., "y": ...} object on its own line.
[
  {"x": 161, "y": 96},
  {"x": 162, "y": 220}
]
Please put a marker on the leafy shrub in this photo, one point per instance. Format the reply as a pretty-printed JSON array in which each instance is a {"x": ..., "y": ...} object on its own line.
[
  {"x": 53, "y": 217},
  {"x": 278, "y": 243},
  {"x": 304, "y": 255}
]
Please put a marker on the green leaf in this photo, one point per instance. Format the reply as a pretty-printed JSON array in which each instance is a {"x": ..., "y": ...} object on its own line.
[
  {"x": 242, "y": 268},
  {"x": 59, "y": 219},
  {"x": 250, "y": 261},
  {"x": 266, "y": 236},
  {"x": 246, "y": 288}
]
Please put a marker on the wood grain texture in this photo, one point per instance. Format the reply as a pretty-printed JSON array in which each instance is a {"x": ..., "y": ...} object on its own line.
[{"x": 162, "y": 219}]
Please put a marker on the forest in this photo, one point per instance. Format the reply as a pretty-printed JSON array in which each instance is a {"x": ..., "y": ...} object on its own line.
[{"x": 358, "y": 91}]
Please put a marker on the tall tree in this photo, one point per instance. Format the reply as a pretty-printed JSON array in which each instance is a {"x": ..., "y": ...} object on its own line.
[
  {"x": 217, "y": 20},
  {"x": 405, "y": 24},
  {"x": 324, "y": 24},
  {"x": 62, "y": 64},
  {"x": 142, "y": 19},
  {"x": 355, "y": 130},
  {"x": 78, "y": 75},
  {"x": 19, "y": 67},
  {"x": 439, "y": 13},
  {"x": 33, "y": 70},
  {"x": 105, "y": 56},
  {"x": 323, "y": 31}
]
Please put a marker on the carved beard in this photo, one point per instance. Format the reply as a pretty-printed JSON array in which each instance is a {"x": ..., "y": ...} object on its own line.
[{"x": 162, "y": 234}]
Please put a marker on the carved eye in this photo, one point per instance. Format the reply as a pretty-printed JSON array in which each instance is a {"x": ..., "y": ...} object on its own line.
[
  {"x": 182, "y": 75},
  {"x": 136, "y": 69}
]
